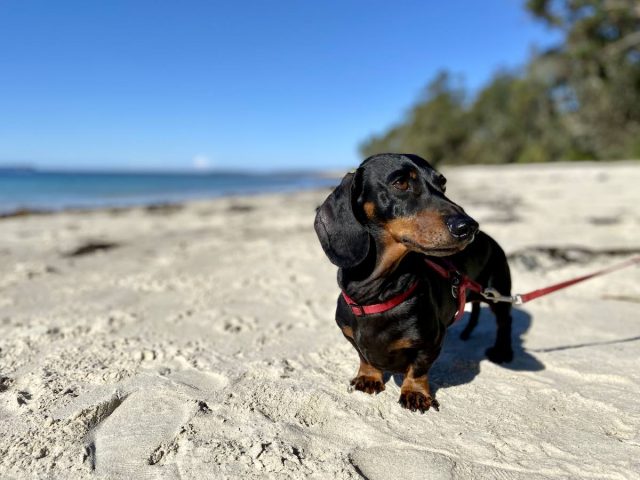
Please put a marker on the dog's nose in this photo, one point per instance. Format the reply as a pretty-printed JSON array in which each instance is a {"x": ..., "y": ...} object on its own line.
[{"x": 462, "y": 226}]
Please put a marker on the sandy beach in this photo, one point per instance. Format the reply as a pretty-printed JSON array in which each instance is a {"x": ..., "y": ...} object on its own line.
[{"x": 198, "y": 341}]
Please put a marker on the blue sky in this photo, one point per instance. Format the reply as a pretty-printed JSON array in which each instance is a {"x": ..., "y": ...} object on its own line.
[{"x": 141, "y": 84}]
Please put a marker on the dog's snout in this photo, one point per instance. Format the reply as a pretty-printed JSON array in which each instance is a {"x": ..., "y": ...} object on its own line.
[{"x": 462, "y": 226}]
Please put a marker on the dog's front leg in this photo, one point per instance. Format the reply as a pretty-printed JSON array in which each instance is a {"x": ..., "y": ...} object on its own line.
[
  {"x": 415, "y": 393},
  {"x": 369, "y": 378}
]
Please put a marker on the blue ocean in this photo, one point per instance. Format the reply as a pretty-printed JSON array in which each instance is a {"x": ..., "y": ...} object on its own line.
[{"x": 36, "y": 190}]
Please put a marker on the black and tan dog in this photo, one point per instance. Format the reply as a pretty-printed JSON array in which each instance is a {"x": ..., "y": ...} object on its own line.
[{"x": 378, "y": 226}]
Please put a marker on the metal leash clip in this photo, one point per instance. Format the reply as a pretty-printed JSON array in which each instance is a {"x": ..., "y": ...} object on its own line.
[
  {"x": 492, "y": 295},
  {"x": 456, "y": 279}
]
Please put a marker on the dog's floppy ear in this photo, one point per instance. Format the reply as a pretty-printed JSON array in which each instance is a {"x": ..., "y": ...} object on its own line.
[{"x": 343, "y": 238}]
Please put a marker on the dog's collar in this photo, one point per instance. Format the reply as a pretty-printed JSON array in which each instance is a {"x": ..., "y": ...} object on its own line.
[{"x": 360, "y": 310}]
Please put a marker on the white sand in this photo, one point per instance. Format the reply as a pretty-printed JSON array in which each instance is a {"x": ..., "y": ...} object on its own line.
[{"x": 204, "y": 346}]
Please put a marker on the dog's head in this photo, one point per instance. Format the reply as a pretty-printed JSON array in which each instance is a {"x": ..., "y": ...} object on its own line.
[{"x": 398, "y": 199}]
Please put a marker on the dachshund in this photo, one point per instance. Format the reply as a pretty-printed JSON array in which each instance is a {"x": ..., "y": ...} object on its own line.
[{"x": 378, "y": 226}]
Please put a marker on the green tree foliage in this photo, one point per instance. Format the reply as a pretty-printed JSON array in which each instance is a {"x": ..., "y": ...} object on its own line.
[
  {"x": 578, "y": 100},
  {"x": 513, "y": 120},
  {"x": 441, "y": 112}
]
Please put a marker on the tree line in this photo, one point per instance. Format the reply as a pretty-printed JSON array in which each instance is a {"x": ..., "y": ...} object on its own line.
[{"x": 579, "y": 100}]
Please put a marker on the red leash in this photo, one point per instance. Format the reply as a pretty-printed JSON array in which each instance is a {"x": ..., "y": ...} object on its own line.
[
  {"x": 527, "y": 297},
  {"x": 493, "y": 295}
]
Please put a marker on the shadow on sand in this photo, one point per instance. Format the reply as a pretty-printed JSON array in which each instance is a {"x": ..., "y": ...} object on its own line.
[{"x": 459, "y": 362}]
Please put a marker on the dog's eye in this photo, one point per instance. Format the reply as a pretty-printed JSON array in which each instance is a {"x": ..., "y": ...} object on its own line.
[{"x": 401, "y": 184}]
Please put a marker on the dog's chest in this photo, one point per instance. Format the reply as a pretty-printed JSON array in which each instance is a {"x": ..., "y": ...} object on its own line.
[{"x": 387, "y": 343}]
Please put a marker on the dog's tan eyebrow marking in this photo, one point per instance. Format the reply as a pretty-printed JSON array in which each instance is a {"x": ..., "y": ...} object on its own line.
[
  {"x": 402, "y": 173},
  {"x": 369, "y": 209}
]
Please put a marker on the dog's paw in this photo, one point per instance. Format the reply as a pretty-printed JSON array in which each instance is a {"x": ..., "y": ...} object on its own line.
[
  {"x": 367, "y": 384},
  {"x": 499, "y": 354},
  {"x": 416, "y": 401}
]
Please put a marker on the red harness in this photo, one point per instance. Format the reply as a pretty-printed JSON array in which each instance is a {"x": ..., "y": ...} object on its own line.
[{"x": 459, "y": 285}]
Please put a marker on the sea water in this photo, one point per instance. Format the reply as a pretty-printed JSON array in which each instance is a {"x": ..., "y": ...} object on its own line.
[{"x": 38, "y": 190}]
